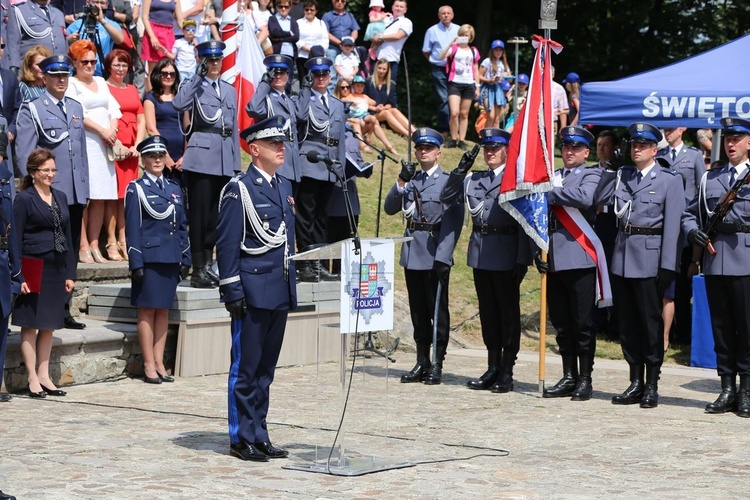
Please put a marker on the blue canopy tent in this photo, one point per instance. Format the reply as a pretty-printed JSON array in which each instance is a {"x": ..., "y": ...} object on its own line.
[{"x": 695, "y": 92}]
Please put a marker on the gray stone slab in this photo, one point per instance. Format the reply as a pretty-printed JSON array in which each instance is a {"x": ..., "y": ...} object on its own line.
[
  {"x": 189, "y": 305},
  {"x": 131, "y": 313}
]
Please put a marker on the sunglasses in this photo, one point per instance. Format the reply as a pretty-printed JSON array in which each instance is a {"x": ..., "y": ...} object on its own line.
[
  {"x": 188, "y": 29},
  {"x": 87, "y": 62},
  {"x": 168, "y": 74},
  {"x": 282, "y": 6},
  {"x": 345, "y": 88},
  {"x": 311, "y": 10}
]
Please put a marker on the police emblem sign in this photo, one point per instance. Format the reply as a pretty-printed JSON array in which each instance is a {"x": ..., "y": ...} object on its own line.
[{"x": 367, "y": 286}]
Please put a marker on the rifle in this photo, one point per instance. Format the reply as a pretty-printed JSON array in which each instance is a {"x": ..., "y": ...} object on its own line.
[{"x": 723, "y": 208}]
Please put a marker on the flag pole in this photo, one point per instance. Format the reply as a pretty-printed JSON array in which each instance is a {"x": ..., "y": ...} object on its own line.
[{"x": 547, "y": 22}]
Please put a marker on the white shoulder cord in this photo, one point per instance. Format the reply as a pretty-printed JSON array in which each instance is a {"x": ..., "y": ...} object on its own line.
[
  {"x": 153, "y": 213},
  {"x": 22, "y": 26},
  {"x": 620, "y": 211},
  {"x": 212, "y": 119},
  {"x": 38, "y": 122},
  {"x": 473, "y": 211},
  {"x": 408, "y": 211},
  {"x": 316, "y": 125},
  {"x": 702, "y": 196}
]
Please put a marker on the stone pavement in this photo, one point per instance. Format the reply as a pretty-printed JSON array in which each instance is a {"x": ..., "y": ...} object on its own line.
[{"x": 127, "y": 439}]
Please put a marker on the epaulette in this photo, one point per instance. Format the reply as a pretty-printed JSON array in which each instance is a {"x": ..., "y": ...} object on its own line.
[
  {"x": 718, "y": 165},
  {"x": 695, "y": 149},
  {"x": 669, "y": 171}
]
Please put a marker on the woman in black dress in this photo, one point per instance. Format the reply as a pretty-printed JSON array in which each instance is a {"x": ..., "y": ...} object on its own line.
[
  {"x": 42, "y": 221},
  {"x": 158, "y": 251}
]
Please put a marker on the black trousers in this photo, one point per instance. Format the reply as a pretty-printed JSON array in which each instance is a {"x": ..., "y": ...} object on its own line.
[
  {"x": 640, "y": 322},
  {"x": 422, "y": 288},
  {"x": 499, "y": 310},
  {"x": 203, "y": 213},
  {"x": 728, "y": 298},
  {"x": 338, "y": 229},
  {"x": 571, "y": 300},
  {"x": 312, "y": 219}
]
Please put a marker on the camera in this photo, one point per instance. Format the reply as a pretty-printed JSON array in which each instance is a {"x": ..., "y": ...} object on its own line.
[{"x": 91, "y": 10}]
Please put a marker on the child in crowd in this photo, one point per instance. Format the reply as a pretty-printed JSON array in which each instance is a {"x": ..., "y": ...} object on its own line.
[
  {"x": 183, "y": 50},
  {"x": 379, "y": 19},
  {"x": 491, "y": 74},
  {"x": 347, "y": 63}
]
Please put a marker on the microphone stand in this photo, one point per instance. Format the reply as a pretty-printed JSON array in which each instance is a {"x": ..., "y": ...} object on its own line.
[{"x": 382, "y": 155}]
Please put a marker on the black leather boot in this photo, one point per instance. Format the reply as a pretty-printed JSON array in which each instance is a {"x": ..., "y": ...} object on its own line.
[
  {"x": 325, "y": 274},
  {"x": 435, "y": 375},
  {"x": 307, "y": 271},
  {"x": 490, "y": 376},
  {"x": 419, "y": 371},
  {"x": 727, "y": 400},
  {"x": 505, "y": 380},
  {"x": 650, "y": 395},
  {"x": 584, "y": 389},
  {"x": 634, "y": 393},
  {"x": 567, "y": 384},
  {"x": 743, "y": 399},
  {"x": 214, "y": 275},
  {"x": 199, "y": 278}
]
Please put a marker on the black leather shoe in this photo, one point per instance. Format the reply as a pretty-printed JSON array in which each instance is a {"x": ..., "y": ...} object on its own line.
[
  {"x": 504, "y": 384},
  {"x": 165, "y": 378},
  {"x": 486, "y": 380},
  {"x": 5, "y": 397},
  {"x": 199, "y": 279},
  {"x": 270, "y": 450},
  {"x": 727, "y": 400},
  {"x": 246, "y": 451},
  {"x": 149, "y": 380},
  {"x": 650, "y": 396},
  {"x": 72, "y": 324},
  {"x": 54, "y": 392},
  {"x": 416, "y": 374},
  {"x": 4, "y": 496},
  {"x": 37, "y": 395},
  {"x": 306, "y": 272}
]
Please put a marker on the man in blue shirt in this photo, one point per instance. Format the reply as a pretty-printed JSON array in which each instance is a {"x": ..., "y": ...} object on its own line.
[
  {"x": 436, "y": 39},
  {"x": 340, "y": 23},
  {"x": 105, "y": 37}
]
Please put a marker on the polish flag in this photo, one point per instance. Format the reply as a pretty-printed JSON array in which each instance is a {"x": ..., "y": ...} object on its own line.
[{"x": 244, "y": 72}]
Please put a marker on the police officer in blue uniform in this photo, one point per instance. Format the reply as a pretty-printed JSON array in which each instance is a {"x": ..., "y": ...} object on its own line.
[
  {"x": 499, "y": 253},
  {"x": 212, "y": 155},
  {"x": 258, "y": 288},
  {"x": 427, "y": 259},
  {"x": 648, "y": 202},
  {"x": 158, "y": 252},
  {"x": 10, "y": 258},
  {"x": 688, "y": 162},
  {"x": 321, "y": 124},
  {"x": 31, "y": 23},
  {"x": 55, "y": 121},
  {"x": 571, "y": 285},
  {"x": 728, "y": 270},
  {"x": 271, "y": 99}
]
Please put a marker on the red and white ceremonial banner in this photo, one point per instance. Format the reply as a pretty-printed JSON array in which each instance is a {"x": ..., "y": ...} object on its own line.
[{"x": 242, "y": 65}]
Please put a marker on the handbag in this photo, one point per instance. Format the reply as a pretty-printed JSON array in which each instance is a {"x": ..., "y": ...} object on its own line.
[
  {"x": 127, "y": 42},
  {"x": 118, "y": 152}
]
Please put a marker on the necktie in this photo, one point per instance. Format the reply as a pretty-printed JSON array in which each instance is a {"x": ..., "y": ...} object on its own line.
[
  {"x": 492, "y": 175},
  {"x": 324, "y": 101},
  {"x": 45, "y": 9},
  {"x": 566, "y": 172},
  {"x": 216, "y": 88},
  {"x": 273, "y": 182},
  {"x": 62, "y": 108},
  {"x": 160, "y": 183},
  {"x": 732, "y": 175},
  {"x": 639, "y": 177},
  {"x": 674, "y": 153}
]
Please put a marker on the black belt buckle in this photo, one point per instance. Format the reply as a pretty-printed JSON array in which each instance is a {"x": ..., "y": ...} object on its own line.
[
  {"x": 627, "y": 229},
  {"x": 225, "y": 132},
  {"x": 484, "y": 229}
]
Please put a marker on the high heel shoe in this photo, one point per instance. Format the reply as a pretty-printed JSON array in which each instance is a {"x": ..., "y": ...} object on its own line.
[
  {"x": 85, "y": 257},
  {"x": 97, "y": 255},
  {"x": 165, "y": 378},
  {"x": 53, "y": 392},
  {"x": 112, "y": 248},
  {"x": 123, "y": 248},
  {"x": 37, "y": 395},
  {"x": 149, "y": 380}
]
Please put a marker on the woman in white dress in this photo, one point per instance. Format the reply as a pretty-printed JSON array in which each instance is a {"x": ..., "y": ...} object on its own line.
[{"x": 101, "y": 113}]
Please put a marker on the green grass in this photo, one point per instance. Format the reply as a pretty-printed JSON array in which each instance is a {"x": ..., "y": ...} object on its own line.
[{"x": 463, "y": 302}]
